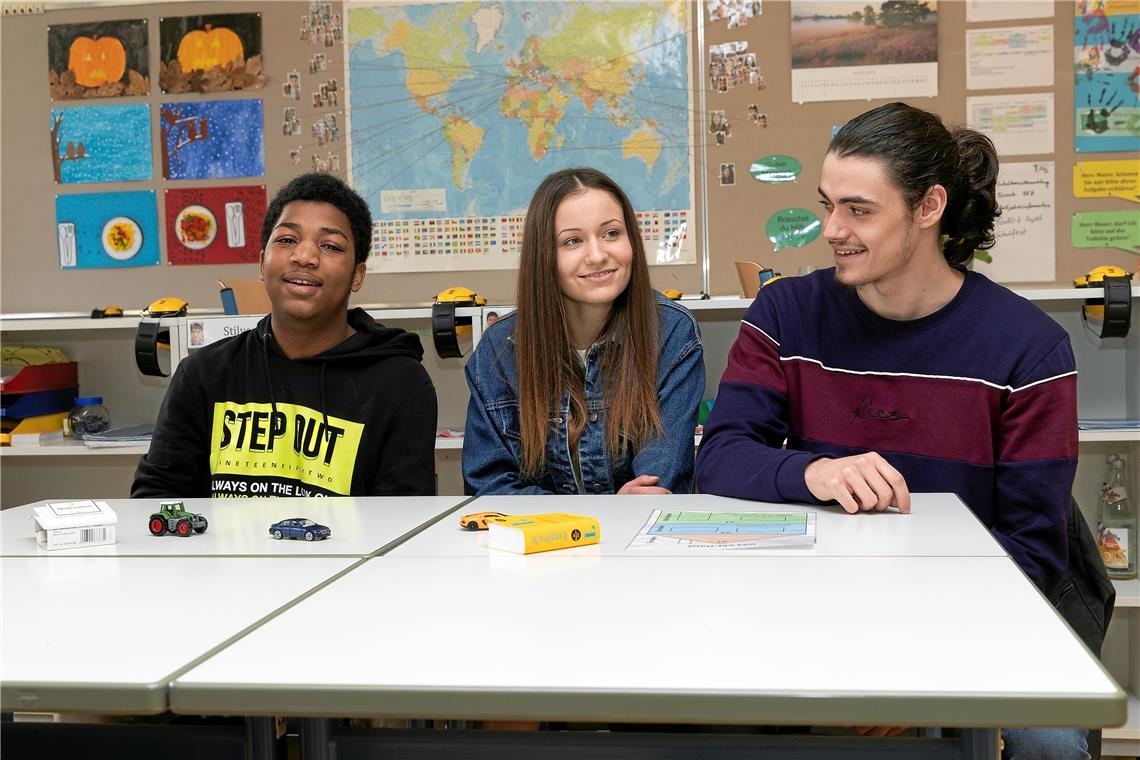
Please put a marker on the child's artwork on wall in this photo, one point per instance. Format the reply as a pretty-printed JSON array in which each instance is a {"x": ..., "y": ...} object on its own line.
[
  {"x": 213, "y": 139},
  {"x": 210, "y": 53},
  {"x": 101, "y": 143},
  {"x": 101, "y": 230},
  {"x": 101, "y": 59},
  {"x": 214, "y": 225},
  {"x": 1106, "y": 93}
]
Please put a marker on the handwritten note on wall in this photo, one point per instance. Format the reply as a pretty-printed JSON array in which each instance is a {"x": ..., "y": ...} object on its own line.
[
  {"x": 1025, "y": 232},
  {"x": 1107, "y": 179}
]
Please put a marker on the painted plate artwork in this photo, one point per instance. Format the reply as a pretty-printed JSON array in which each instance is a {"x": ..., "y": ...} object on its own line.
[
  {"x": 122, "y": 238},
  {"x": 196, "y": 227}
]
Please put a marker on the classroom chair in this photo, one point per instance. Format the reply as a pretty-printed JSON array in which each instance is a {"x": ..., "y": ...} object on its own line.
[
  {"x": 243, "y": 297},
  {"x": 749, "y": 274}
]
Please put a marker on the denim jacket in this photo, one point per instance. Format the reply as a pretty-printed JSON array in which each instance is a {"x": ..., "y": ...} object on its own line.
[{"x": 492, "y": 446}]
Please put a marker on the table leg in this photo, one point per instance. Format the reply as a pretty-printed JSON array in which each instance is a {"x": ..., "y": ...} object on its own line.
[
  {"x": 261, "y": 739},
  {"x": 316, "y": 738},
  {"x": 980, "y": 743}
]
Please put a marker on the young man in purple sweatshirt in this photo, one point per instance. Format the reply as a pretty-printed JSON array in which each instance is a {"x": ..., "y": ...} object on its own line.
[{"x": 900, "y": 371}]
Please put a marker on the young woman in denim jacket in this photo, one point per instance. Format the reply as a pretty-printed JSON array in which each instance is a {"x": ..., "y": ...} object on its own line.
[{"x": 593, "y": 384}]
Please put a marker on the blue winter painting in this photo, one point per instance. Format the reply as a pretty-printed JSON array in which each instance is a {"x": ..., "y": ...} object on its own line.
[
  {"x": 212, "y": 139},
  {"x": 101, "y": 143},
  {"x": 100, "y": 230}
]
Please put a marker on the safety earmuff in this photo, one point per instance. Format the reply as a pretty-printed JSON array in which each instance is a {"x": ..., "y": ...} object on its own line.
[{"x": 1114, "y": 311}]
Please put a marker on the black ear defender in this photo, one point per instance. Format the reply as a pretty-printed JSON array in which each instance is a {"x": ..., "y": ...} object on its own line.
[
  {"x": 1111, "y": 316},
  {"x": 151, "y": 338},
  {"x": 452, "y": 335}
]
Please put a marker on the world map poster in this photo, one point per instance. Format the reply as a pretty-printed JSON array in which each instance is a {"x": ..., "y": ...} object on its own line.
[{"x": 458, "y": 111}]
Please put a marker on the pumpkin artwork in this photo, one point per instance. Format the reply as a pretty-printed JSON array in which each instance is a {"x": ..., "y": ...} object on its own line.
[
  {"x": 202, "y": 50},
  {"x": 97, "y": 62}
]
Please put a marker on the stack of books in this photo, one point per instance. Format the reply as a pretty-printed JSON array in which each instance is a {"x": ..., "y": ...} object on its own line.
[{"x": 37, "y": 388}]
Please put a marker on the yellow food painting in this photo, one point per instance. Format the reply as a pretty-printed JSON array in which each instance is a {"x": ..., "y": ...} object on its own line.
[{"x": 121, "y": 237}]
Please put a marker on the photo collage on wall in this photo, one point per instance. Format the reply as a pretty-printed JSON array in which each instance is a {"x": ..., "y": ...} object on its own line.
[
  {"x": 322, "y": 28},
  {"x": 201, "y": 139},
  {"x": 732, "y": 66}
]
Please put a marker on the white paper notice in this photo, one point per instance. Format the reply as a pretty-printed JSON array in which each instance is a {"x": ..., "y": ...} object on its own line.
[
  {"x": 399, "y": 201},
  {"x": 1007, "y": 10},
  {"x": 1012, "y": 56},
  {"x": 1019, "y": 125},
  {"x": 209, "y": 330},
  {"x": 1025, "y": 231}
]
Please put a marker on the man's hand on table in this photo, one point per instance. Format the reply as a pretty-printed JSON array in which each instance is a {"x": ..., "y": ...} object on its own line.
[{"x": 863, "y": 482}]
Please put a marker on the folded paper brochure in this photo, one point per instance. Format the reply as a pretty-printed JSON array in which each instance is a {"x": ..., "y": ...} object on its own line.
[{"x": 526, "y": 534}]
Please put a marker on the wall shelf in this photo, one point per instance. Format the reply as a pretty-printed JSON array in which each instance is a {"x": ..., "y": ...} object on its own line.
[
  {"x": 1127, "y": 593},
  {"x": 72, "y": 448}
]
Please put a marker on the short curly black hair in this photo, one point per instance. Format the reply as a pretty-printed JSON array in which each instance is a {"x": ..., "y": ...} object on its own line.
[{"x": 323, "y": 188}]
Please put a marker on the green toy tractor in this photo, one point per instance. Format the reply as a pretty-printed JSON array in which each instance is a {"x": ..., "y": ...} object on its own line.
[{"x": 173, "y": 517}]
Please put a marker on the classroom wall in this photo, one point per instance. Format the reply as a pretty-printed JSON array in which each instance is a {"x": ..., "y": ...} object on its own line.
[{"x": 32, "y": 280}]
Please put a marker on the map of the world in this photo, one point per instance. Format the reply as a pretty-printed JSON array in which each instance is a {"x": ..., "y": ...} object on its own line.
[{"x": 459, "y": 110}]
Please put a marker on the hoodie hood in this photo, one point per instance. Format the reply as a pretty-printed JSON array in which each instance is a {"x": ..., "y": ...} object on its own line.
[{"x": 372, "y": 341}]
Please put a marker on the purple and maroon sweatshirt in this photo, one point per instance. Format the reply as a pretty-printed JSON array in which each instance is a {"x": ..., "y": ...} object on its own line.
[{"x": 978, "y": 399}]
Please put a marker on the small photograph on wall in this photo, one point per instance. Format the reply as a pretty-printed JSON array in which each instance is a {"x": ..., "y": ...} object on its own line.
[
  {"x": 101, "y": 144},
  {"x": 107, "y": 230},
  {"x": 214, "y": 225},
  {"x": 101, "y": 59},
  {"x": 210, "y": 53},
  {"x": 727, "y": 175},
  {"x": 213, "y": 139}
]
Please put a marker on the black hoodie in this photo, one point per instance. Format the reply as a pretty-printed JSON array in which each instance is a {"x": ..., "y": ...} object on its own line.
[{"x": 242, "y": 419}]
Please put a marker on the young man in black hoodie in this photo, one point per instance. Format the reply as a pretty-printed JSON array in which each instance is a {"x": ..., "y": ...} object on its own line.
[{"x": 318, "y": 400}]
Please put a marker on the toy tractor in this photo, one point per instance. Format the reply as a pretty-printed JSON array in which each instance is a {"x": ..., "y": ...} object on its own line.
[{"x": 173, "y": 517}]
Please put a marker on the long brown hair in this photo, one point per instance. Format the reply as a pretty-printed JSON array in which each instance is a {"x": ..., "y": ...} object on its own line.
[{"x": 547, "y": 365}]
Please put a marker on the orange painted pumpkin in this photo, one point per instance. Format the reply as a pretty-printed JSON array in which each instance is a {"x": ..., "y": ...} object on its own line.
[
  {"x": 97, "y": 61},
  {"x": 205, "y": 49}
]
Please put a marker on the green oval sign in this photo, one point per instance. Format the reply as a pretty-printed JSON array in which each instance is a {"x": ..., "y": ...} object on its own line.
[
  {"x": 776, "y": 169},
  {"x": 792, "y": 228}
]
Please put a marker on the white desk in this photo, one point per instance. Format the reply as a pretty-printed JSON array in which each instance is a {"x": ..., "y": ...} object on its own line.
[
  {"x": 108, "y": 634},
  {"x": 939, "y": 526},
  {"x": 240, "y": 527},
  {"x": 821, "y": 640}
]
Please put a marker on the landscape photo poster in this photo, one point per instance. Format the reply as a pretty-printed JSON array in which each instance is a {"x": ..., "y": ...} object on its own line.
[
  {"x": 99, "y": 59},
  {"x": 107, "y": 230},
  {"x": 101, "y": 143},
  {"x": 213, "y": 53},
  {"x": 849, "y": 50},
  {"x": 214, "y": 225},
  {"x": 212, "y": 139}
]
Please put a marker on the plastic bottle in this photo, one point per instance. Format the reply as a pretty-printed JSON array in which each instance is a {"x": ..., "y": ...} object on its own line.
[
  {"x": 88, "y": 416},
  {"x": 1116, "y": 531}
]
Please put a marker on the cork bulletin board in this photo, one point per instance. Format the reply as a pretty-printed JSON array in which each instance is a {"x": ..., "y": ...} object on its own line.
[{"x": 737, "y": 214}]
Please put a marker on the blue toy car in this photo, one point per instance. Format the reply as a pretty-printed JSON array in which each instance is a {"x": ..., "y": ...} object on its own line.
[{"x": 299, "y": 527}]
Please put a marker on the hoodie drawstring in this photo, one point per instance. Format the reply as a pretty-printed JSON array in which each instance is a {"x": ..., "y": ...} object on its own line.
[
  {"x": 268, "y": 374},
  {"x": 324, "y": 406}
]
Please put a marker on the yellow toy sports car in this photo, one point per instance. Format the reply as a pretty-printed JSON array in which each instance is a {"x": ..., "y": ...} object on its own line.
[{"x": 478, "y": 520}]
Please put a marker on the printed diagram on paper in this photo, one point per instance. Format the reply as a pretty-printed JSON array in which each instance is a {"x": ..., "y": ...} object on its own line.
[{"x": 724, "y": 531}]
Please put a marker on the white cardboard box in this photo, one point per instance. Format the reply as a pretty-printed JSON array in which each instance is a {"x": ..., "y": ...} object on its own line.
[{"x": 72, "y": 524}]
